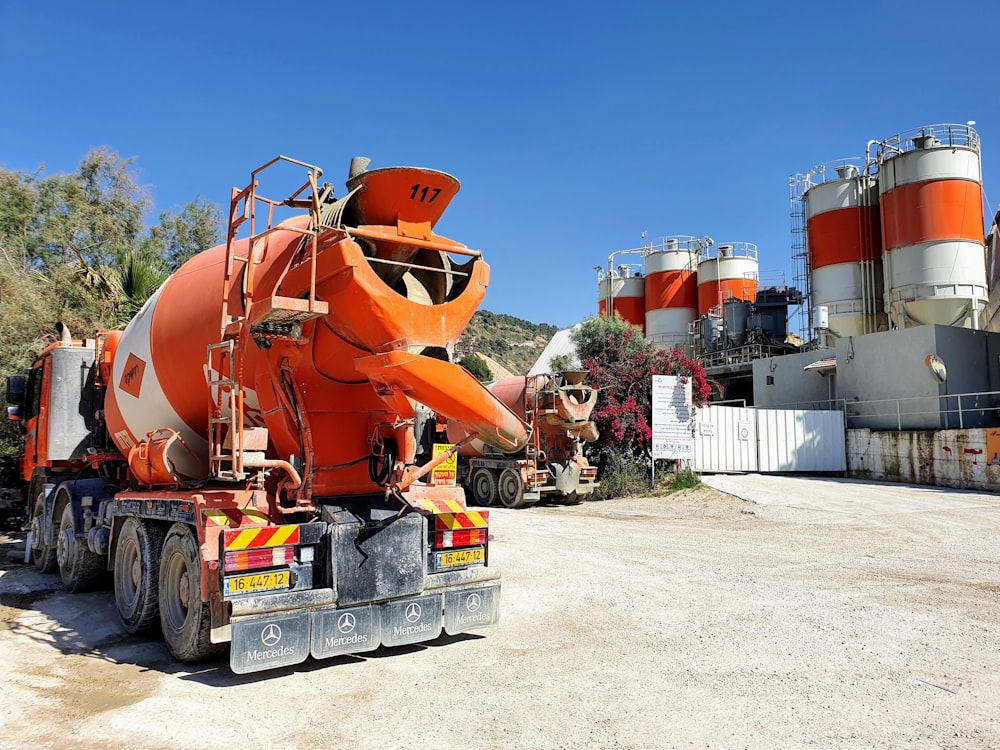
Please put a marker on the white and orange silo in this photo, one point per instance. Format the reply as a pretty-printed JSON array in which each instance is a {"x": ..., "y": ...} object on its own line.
[
  {"x": 622, "y": 291},
  {"x": 844, "y": 244},
  {"x": 672, "y": 290},
  {"x": 726, "y": 271},
  {"x": 931, "y": 197}
]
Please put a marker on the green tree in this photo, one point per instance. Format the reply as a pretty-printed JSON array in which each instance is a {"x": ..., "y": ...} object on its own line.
[
  {"x": 134, "y": 278},
  {"x": 26, "y": 306},
  {"x": 95, "y": 213},
  {"x": 477, "y": 367},
  {"x": 181, "y": 235},
  {"x": 560, "y": 362},
  {"x": 118, "y": 291},
  {"x": 74, "y": 248}
]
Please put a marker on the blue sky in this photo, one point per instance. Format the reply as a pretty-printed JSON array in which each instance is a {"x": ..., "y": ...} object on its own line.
[{"x": 573, "y": 127}]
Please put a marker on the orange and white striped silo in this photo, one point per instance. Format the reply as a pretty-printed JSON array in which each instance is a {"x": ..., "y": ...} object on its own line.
[
  {"x": 934, "y": 255},
  {"x": 725, "y": 271},
  {"x": 672, "y": 290},
  {"x": 623, "y": 291},
  {"x": 844, "y": 241}
]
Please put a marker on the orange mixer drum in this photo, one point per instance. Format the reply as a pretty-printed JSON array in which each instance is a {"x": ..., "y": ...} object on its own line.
[
  {"x": 560, "y": 404},
  {"x": 322, "y": 390}
]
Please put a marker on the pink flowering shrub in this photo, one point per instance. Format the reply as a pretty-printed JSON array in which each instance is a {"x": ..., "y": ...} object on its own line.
[{"x": 621, "y": 363}]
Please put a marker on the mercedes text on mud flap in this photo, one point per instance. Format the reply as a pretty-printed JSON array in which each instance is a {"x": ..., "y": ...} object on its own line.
[{"x": 242, "y": 456}]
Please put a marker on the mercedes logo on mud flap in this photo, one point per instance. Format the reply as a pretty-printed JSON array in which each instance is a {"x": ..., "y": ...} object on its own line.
[
  {"x": 412, "y": 612},
  {"x": 270, "y": 635},
  {"x": 346, "y": 623},
  {"x": 473, "y": 602}
]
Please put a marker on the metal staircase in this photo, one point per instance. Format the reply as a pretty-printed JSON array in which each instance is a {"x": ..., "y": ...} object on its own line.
[
  {"x": 226, "y": 415},
  {"x": 260, "y": 317}
]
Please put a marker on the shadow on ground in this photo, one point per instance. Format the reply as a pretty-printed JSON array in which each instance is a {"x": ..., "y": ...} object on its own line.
[{"x": 34, "y": 606}]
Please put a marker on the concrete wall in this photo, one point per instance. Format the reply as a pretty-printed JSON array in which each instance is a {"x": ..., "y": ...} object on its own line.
[
  {"x": 888, "y": 366},
  {"x": 964, "y": 351},
  {"x": 893, "y": 365},
  {"x": 781, "y": 381},
  {"x": 945, "y": 458}
]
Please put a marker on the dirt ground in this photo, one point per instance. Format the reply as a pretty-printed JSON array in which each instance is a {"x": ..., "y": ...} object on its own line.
[{"x": 698, "y": 620}]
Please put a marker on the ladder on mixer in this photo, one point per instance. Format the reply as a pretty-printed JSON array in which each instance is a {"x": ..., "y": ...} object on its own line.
[
  {"x": 269, "y": 316},
  {"x": 532, "y": 449},
  {"x": 226, "y": 415}
]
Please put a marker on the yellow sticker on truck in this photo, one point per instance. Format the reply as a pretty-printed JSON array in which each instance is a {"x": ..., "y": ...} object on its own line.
[
  {"x": 456, "y": 557},
  {"x": 248, "y": 584}
]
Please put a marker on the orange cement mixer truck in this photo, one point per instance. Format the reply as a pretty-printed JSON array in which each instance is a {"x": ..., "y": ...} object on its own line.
[
  {"x": 241, "y": 457},
  {"x": 550, "y": 466}
]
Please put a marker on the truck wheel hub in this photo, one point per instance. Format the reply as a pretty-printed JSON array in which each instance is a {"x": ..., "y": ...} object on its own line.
[
  {"x": 183, "y": 590},
  {"x": 65, "y": 548}
]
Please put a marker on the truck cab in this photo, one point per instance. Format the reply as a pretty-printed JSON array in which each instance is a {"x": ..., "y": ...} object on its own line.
[{"x": 57, "y": 405}]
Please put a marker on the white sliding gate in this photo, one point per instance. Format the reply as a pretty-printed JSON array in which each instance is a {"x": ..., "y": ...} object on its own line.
[{"x": 733, "y": 439}]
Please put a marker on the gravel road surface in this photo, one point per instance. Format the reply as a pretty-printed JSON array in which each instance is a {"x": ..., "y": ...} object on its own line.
[{"x": 869, "y": 619}]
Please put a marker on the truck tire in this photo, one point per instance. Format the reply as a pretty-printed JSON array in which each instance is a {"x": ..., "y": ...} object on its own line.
[
  {"x": 137, "y": 574},
  {"x": 510, "y": 489},
  {"x": 484, "y": 487},
  {"x": 186, "y": 621},
  {"x": 43, "y": 555},
  {"x": 79, "y": 568}
]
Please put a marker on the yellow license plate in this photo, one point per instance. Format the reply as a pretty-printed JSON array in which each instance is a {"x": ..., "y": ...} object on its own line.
[
  {"x": 257, "y": 582},
  {"x": 460, "y": 557}
]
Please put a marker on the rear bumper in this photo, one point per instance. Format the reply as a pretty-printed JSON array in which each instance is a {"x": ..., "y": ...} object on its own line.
[{"x": 278, "y": 637}]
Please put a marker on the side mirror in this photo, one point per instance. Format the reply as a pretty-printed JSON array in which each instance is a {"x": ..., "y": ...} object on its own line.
[
  {"x": 15, "y": 390},
  {"x": 14, "y": 413}
]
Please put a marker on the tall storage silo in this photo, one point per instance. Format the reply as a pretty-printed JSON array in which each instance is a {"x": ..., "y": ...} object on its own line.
[
  {"x": 844, "y": 243},
  {"x": 726, "y": 271},
  {"x": 623, "y": 291},
  {"x": 931, "y": 197},
  {"x": 672, "y": 290}
]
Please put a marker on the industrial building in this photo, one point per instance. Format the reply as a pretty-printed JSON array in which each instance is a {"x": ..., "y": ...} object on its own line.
[{"x": 895, "y": 286}]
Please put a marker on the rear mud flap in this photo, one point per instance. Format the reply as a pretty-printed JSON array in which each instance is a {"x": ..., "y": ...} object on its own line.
[
  {"x": 268, "y": 643},
  {"x": 345, "y": 631},
  {"x": 411, "y": 620},
  {"x": 471, "y": 609}
]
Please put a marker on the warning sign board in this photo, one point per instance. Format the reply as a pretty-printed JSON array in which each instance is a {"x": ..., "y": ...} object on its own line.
[
  {"x": 672, "y": 417},
  {"x": 743, "y": 429},
  {"x": 447, "y": 471}
]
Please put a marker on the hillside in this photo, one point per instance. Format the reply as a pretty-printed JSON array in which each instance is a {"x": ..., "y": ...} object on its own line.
[{"x": 512, "y": 342}]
